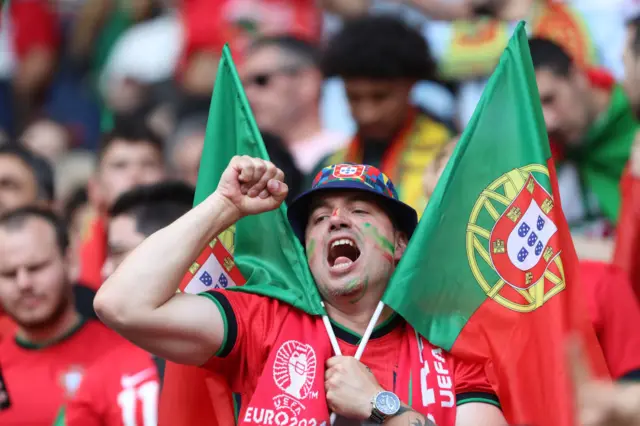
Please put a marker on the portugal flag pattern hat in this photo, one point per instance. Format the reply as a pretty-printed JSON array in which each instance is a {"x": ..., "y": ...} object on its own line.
[{"x": 353, "y": 177}]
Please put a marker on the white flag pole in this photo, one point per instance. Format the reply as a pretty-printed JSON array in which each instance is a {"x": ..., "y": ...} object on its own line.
[{"x": 363, "y": 343}]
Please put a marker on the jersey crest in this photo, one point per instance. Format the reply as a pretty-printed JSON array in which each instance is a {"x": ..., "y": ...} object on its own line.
[
  {"x": 513, "y": 243},
  {"x": 70, "y": 379},
  {"x": 343, "y": 171}
]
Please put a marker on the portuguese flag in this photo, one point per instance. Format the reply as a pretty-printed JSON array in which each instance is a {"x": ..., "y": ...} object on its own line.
[
  {"x": 259, "y": 254},
  {"x": 491, "y": 273}
]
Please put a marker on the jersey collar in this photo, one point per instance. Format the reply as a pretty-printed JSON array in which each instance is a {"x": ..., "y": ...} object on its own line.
[
  {"x": 25, "y": 344},
  {"x": 353, "y": 338}
]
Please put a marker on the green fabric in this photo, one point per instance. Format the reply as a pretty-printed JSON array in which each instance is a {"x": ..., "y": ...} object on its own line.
[
  {"x": 60, "y": 418},
  {"x": 434, "y": 287},
  {"x": 117, "y": 23},
  {"x": 266, "y": 251},
  {"x": 605, "y": 153}
]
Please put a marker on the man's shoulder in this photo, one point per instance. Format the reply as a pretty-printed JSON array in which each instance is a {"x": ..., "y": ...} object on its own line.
[
  {"x": 245, "y": 302},
  {"x": 257, "y": 311}
]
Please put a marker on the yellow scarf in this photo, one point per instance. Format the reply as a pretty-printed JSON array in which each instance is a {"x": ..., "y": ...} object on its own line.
[{"x": 404, "y": 161}]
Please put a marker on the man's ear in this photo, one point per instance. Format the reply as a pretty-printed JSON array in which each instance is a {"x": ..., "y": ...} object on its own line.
[{"x": 401, "y": 245}]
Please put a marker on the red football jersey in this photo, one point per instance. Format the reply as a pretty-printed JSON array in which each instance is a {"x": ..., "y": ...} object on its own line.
[
  {"x": 254, "y": 324},
  {"x": 615, "y": 312},
  {"x": 38, "y": 380},
  {"x": 6, "y": 325},
  {"x": 120, "y": 389}
]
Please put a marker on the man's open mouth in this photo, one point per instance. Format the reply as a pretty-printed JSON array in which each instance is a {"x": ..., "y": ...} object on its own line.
[{"x": 342, "y": 253}]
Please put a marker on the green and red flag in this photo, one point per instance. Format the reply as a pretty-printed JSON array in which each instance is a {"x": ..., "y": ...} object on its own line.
[
  {"x": 259, "y": 254},
  {"x": 491, "y": 273}
]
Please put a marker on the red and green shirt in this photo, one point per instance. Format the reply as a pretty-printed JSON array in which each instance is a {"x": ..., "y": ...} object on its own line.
[
  {"x": 253, "y": 325},
  {"x": 613, "y": 307},
  {"x": 38, "y": 379}
]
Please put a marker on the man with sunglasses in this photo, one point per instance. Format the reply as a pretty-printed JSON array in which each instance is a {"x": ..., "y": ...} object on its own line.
[{"x": 282, "y": 79}]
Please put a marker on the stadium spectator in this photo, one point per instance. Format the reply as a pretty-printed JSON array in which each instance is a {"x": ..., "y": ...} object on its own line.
[
  {"x": 140, "y": 212},
  {"x": 25, "y": 178},
  {"x": 44, "y": 362},
  {"x": 282, "y": 79},
  {"x": 328, "y": 214},
  {"x": 591, "y": 127},
  {"x": 628, "y": 235},
  {"x": 380, "y": 59},
  {"x": 47, "y": 138},
  {"x": 30, "y": 43},
  {"x": 124, "y": 384},
  {"x": 130, "y": 155}
]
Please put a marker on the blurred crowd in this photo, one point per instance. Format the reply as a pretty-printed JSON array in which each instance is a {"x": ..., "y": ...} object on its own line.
[{"x": 103, "y": 114}]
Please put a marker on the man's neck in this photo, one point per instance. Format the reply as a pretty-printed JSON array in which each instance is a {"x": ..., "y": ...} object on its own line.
[
  {"x": 356, "y": 316},
  {"x": 299, "y": 130},
  {"x": 51, "y": 332}
]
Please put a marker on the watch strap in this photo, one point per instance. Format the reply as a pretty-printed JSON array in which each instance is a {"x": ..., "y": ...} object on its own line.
[{"x": 377, "y": 416}]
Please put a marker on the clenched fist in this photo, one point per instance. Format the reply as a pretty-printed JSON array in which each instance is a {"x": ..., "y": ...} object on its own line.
[
  {"x": 350, "y": 387},
  {"x": 251, "y": 186}
]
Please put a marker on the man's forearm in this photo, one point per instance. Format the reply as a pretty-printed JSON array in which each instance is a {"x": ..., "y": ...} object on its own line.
[{"x": 150, "y": 275}]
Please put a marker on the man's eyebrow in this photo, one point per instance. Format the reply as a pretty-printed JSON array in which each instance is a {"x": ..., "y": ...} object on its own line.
[{"x": 316, "y": 204}]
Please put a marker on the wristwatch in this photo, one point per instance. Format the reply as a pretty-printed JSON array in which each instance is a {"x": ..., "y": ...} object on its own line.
[{"x": 385, "y": 404}]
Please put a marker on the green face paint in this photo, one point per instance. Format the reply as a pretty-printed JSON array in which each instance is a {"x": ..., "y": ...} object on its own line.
[
  {"x": 386, "y": 245},
  {"x": 311, "y": 248},
  {"x": 351, "y": 285},
  {"x": 361, "y": 293}
]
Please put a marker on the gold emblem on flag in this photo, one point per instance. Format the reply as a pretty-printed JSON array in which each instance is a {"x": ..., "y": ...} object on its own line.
[
  {"x": 514, "y": 214},
  {"x": 194, "y": 268},
  {"x": 228, "y": 263},
  {"x": 228, "y": 238},
  {"x": 485, "y": 251},
  {"x": 547, "y": 205}
]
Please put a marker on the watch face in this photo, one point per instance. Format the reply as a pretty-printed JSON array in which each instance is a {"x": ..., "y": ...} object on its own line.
[{"x": 388, "y": 403}]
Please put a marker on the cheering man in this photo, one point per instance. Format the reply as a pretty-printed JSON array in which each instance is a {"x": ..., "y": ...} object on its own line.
[{"x": 278, "y": 358}]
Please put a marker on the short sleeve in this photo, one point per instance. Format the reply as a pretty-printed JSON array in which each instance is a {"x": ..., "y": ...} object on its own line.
[
  {"x": 617, "y": 311},
  {"x": 250, "y": 324},
  {"x": 472, "y": 384}
]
